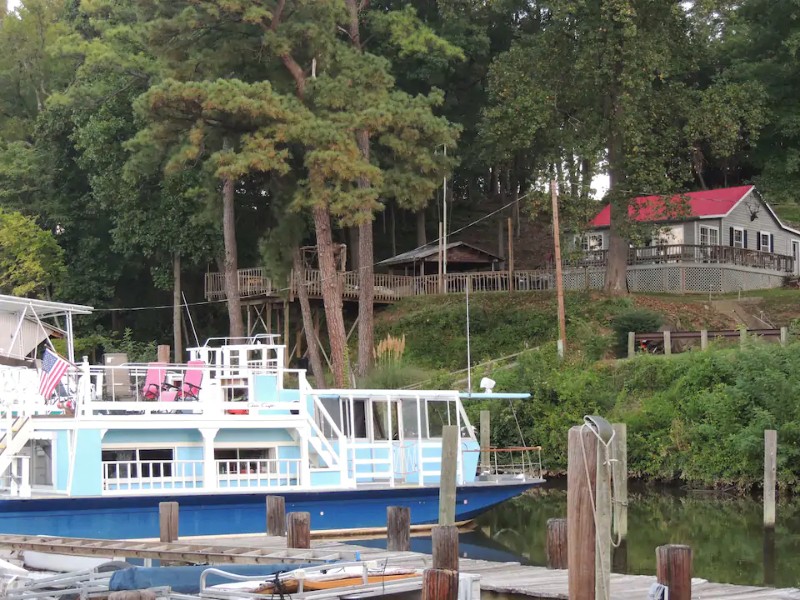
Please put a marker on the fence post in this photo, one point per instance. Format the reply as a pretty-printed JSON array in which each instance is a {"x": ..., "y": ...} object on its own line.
[
  {"x": 168, "y": 521},
  {"x": 276, "y": 516},
  {"x": 742, "y": 336},
  {"x": 631, "y": 344},
  {"x": 581, "y": 485},
  {"x": 674, "y": 570},
  {"x": 298, "y": 530},
  {"x": 439, "y": 584},
  {"x": 704, "y": 339},
  {"x": 667, "y": 343},
  {"x": 770, "y": 472},
  {"x": 444, "y": 539},
  {"x": 398, "y": 528},
  {"x": 784, "y": 336},
  {"x": 486, "y": 442},
  {"x": 557, "y": 544}
]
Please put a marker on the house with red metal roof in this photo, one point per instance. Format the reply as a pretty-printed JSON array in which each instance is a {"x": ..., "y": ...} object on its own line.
[{"x": 733, "y": 225}]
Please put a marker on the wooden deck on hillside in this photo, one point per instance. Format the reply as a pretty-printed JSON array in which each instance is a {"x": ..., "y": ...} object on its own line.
[
  {"x": 583, "y": 272},
  {"x": 501, "y": 578}
]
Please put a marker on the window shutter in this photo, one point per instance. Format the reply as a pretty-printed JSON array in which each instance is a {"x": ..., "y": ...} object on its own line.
[
  {"x": 772, "y": 243},
  {"x": 745, "y": 238},
  {"x": 730, "y": 235}
]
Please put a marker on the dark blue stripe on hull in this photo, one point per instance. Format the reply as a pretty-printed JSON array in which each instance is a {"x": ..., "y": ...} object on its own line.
[{"x": 214, "y": 514}]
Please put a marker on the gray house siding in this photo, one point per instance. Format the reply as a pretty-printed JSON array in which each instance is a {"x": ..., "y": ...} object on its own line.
[{"x": 740, "y": 217}]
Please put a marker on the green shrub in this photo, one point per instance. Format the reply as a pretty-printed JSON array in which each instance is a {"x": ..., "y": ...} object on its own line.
[
  {"x": 636, "y": 320},
  {"x": 393, "y": 375}
]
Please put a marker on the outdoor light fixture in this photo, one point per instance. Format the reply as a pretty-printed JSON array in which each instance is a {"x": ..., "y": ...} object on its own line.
[{"x": 488, "y": 384}]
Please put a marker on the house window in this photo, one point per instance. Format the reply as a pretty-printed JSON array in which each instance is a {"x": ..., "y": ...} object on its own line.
[
  {"x": 765, "y": 241},
  {"x": 135, "y": 462},
  {"x": 737, "y": 241},
  {"x": 245, "y": 460},
  {"x": 709, "y": 236},
  {"x": 591, "y": 242}
]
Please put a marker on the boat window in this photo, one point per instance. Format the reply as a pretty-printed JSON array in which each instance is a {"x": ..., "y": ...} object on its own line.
[
  {"x": 410, "y": 418},
  {"x": 384, "y": 428},
  {"x": 245, "y": 460},
  {"x": 355, "y": 426},
  {"x": 41, "y": 466},
  {"x": 440, "y": 413},
  {"x": 149, "y": 462}
]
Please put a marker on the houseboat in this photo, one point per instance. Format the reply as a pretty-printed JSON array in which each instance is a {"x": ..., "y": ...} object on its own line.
[{"x": 218, "y": 434}]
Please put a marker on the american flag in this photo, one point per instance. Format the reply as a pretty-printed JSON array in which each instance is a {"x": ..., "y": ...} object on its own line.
[{"x": 53, "y": 369}]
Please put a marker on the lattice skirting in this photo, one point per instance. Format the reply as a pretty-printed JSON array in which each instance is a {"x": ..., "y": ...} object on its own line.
[{"x": 679, "y": 278}]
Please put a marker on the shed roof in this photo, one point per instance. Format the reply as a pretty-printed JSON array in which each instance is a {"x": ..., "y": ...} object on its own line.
[
  {"x": 431, "y": 250},
  {"x": 691, "y": 205}
]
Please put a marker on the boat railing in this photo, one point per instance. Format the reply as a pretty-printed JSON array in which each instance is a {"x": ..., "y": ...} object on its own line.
[
  {"x": 372, "y": 461},
  {"x": 515, "y": 461},
  {"x": 144, "y": 475},
  {"x": 258, "y": 473}
]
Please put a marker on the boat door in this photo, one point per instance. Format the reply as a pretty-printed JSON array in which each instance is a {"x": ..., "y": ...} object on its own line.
[{"x": 388, "y": 427}]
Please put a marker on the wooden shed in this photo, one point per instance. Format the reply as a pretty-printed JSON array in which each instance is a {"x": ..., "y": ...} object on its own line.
[{"x": 461, "y": 258}]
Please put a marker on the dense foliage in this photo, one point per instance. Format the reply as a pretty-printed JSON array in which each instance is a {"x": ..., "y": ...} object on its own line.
[
  {"x": 698, "y": 416},
  {"x": 120, "y": 124}
]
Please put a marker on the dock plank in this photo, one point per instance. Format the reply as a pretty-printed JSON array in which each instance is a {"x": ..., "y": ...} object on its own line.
[{"x": 503, "y": 578}]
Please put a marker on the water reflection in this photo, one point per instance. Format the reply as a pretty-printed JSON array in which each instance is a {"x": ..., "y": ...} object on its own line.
[{"x": 724, "y": 532}]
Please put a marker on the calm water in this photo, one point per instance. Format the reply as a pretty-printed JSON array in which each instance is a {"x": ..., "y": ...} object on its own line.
[{"x": 724, "y": 532}]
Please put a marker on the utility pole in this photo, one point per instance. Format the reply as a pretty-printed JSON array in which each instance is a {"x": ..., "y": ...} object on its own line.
[
  {"x": 444, "y": 220},
  {"x": 562, "y": 324}
]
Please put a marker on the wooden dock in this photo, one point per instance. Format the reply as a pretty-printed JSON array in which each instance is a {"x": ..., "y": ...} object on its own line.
[{"x": 499, "y": 578}]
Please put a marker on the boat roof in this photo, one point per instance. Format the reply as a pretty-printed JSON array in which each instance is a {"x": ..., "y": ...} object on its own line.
[{"x": 42, "y": 308}]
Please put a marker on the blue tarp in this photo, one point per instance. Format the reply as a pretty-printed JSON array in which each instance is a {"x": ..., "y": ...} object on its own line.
[{"x": 186, "y": 580}]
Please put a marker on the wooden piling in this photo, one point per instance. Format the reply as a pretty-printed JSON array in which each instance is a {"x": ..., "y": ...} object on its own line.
[
  {"x": 486, "y": 441},
  {"x": 168, "y": 521},
  {"x": 674, "y": 570},
  {"x": 769, "y": 556},
  {"x": 784, "y": 336},
  {"x": 398, "y": 528},
  {"x": 447, "y": 478},
  {"x": 770, "y": 474},
  {"x": 162, "y": 353},
  {"x": 557, "y": 544},
  {"x": 444, "y": 539},
  {"x": 581, "y": 547},
  {"x": 619, "y": 452},
  {"x": 631, "y": 344},
  {"x": 298, "y": 530},
  {"x": 133, "y": 595},
  {"x": 276, "y": 515},
  {"x": 439, "y": 584},
  {"x": 603, "y": 513},
  {"x": 704, "y": 339},
  {"x": 667, "y": 343}
]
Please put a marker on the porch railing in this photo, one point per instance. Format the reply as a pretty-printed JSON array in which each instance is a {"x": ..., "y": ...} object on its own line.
[
  {"x": 393, "y": 287},
  {"x": 143, "y": 475}
]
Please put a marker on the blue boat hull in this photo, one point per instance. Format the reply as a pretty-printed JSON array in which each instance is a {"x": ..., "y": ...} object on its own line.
[{"x": 121, "y": 517}]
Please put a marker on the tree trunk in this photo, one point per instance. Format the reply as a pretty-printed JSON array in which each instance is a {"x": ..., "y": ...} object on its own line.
[
  {"x": 393, "y": 228},
  {"x": 366, "y": 292},
  {"x": 617, "y": 255},
  {"x": 231, "y": 260},
  {"x": 176, "y": 308},
  {"x": 308, "y": 322},
  {"x": 422, "y": 237},
  {"x": 331, "y": 294},
  {"x": 352, "y": 246}
]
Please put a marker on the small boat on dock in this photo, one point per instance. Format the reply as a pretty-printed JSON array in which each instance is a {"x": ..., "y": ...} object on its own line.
[{"x": 217, "y": 435}]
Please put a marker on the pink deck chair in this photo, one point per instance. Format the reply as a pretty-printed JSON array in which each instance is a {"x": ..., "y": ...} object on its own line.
[
  {"x": 154, "y": 380},
  {"x": 190, "y": 386}
]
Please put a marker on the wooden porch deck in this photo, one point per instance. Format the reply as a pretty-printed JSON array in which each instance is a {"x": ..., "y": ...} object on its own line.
[{"x": 253, "y": 283}]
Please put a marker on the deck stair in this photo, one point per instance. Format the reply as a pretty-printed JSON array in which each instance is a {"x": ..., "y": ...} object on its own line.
[{"x": 13, "y": 439}]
